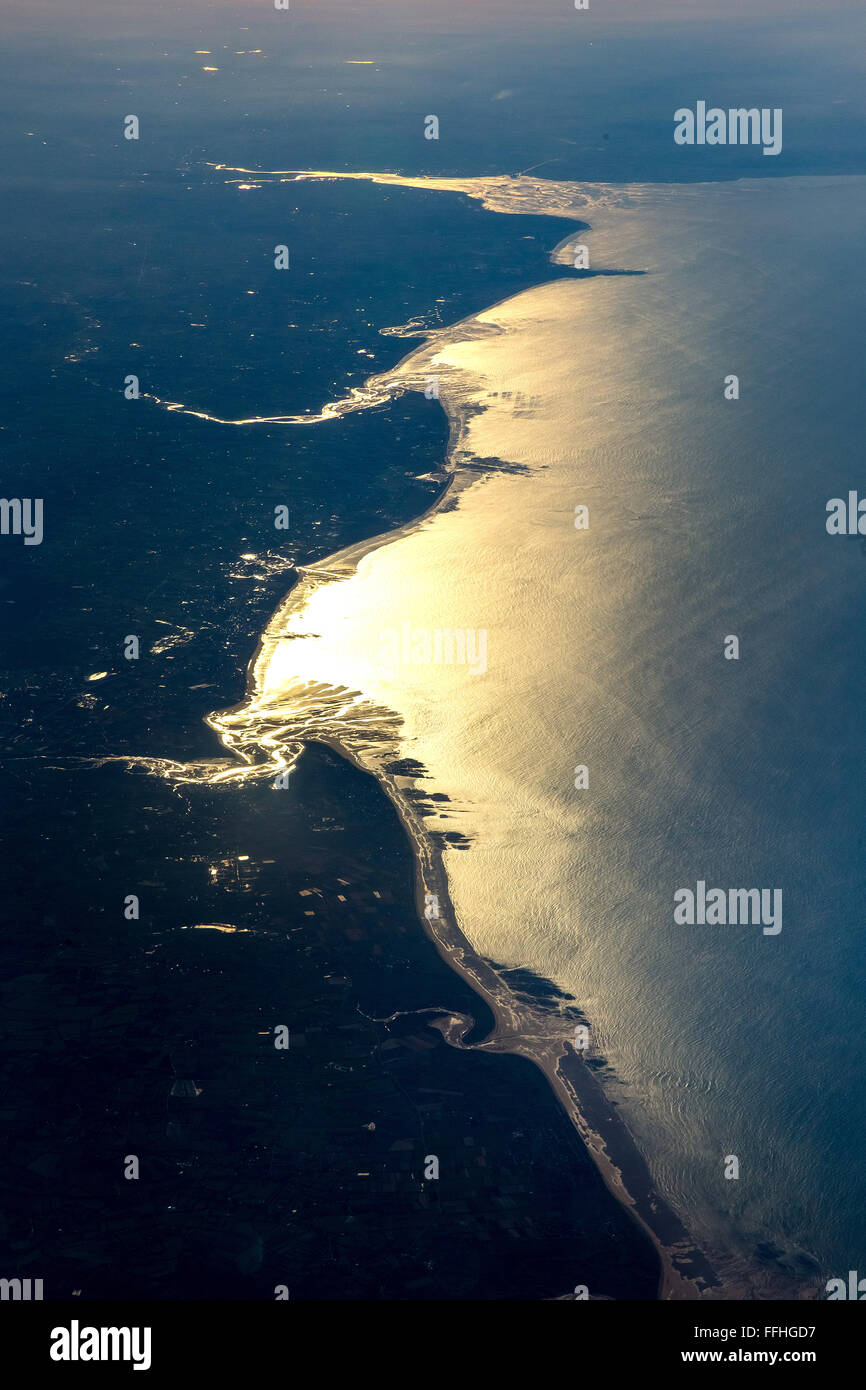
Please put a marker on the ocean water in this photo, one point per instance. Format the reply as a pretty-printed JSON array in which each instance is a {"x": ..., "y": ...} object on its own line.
[
  {"x": 604, "y": 647},
  {"x": 601, "y": 647},
  {"x": 254, "y": 903}
]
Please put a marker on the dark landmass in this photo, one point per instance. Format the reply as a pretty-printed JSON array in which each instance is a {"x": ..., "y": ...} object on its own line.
[
  {"x": 153, "y": 1038},
  {"x": 261, "y": 1167}
]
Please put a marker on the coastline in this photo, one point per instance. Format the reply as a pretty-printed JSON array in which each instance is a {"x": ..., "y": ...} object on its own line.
[
  {"x": 686, "y": 1272},
  {"x": 513, "y": 668},
  {"x": 267, "y": 734}
]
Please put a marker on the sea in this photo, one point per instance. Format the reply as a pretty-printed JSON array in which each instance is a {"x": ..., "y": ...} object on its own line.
[{"x": 597, "y": 482}]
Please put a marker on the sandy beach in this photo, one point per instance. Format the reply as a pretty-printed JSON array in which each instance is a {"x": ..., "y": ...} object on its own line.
[{"x": 546, "y": 410}]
